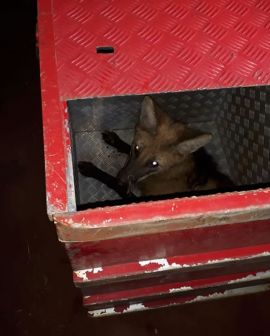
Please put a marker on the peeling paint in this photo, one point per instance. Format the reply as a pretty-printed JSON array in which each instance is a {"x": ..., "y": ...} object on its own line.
[
  {"x": 135, "y": 307},
  {"x": 97, "y": 269},
  {"x": 83, "y": 274},
  {"x": 162, "y": 262},
  {"x": 214, "y": 261},
  {"x": 103, "y": 312},
  {"x": 231, "y": 292},
  {"x": 180, "y": 289},
  {"x": 165, "y": 265},
  {"x": 259, "y": 275},
  {"x": 200, "y": 298},
  {"x": 112, "y": 311},
  {"x": 183, "y": 221}
]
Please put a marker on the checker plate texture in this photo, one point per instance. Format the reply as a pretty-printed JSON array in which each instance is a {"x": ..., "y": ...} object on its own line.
[
  {"x": 239, "y": 120},
  {"x": 92, "y": 116},
  {"x": 244, "y": 127},
  {"x": 160, "y": 46}
]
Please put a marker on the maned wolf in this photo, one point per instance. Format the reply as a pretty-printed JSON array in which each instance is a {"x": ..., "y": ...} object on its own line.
[{"x": 165, "y": 157}]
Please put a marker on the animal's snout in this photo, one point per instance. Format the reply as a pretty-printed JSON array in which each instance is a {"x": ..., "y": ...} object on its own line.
[
  {"x": 127, "y": 181},
  {"x": 131, "y": 178},
  {"x": 125, "y": 178}
]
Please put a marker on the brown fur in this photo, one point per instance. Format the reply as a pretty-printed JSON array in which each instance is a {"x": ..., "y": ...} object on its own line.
[
  {"x": 182, "y": 164},
  {"x": 165, "y": 157}
]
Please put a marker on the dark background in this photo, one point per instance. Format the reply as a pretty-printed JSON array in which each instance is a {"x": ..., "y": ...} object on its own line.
[{"x": 37, "y": 295}]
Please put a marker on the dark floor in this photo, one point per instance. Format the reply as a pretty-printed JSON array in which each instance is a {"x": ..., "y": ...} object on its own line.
[{"x": 38, "y": 296}]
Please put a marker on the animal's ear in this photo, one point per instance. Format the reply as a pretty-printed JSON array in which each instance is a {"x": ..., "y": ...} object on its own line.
[
  {"x": 148, "y": 117},
  {"x": 191, "y": 145}
]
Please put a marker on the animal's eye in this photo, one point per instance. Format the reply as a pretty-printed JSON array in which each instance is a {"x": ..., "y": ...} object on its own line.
[
  {"x": 137, "y": 149},
  {"x": 154, "y": 164}
]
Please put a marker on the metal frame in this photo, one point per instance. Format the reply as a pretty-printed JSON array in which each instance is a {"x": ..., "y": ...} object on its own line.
[{"x": 102, "y": 229}]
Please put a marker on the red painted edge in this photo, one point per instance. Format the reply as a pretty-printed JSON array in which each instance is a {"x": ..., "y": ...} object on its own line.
[
  {"x": 175, "y": 262},
  {"x": 174, "y": 287},
  {"x": 167, "y": 209},
  {"x": 53, "y": 110},
  {"x": 159, "y": 301},
  {"x": 57, "y": 146}
]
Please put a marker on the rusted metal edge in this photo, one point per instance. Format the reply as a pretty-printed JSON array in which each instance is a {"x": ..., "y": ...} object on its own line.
[{"x": 87, "y": 233}]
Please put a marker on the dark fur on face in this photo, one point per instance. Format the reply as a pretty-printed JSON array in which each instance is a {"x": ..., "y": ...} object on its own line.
[
  {"x": 159, "y": 145},
  {"x": 165, "y": 157}
]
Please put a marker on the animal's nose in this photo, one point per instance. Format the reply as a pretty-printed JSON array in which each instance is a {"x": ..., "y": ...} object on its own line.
[
  {"x": 125, "y": 179},
  {"x": 130, "y": 179}
]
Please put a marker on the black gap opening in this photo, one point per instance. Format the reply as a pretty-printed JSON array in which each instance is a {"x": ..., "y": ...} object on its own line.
[{"x": 105, "y": 50}]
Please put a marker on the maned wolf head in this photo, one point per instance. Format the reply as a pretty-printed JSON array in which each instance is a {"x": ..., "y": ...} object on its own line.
[{"x": 159, "y": 144}]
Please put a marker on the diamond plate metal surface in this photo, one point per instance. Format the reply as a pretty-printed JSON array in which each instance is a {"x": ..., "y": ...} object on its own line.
[
  {"x": 239, "y": 120},
  {"x": 122, "y": 112},
  {"x": 244, "y": 126},
  {"x": 160, "y": 46},
  {"x": 91, "y": 147},
  {"x": 90, "y": 117}
]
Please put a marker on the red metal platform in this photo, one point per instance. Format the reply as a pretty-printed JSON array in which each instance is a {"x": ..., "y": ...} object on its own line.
[{"x": 159, "y": 46}]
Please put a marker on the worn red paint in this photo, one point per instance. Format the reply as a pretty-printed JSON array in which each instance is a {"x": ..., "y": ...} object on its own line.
[
  {"x": 184, "y": 287},
  {"x": 160, "y": 46},
  {"x": 53, "y": 115},
  {"x": 175, "y": 262},
  {"x": 235, "y": 35},
  {"x": 110, "y": 216},
  {"x": 60, "y": 36},
  {"x": 181, "y": 242},
  {"x": 177, "y": 300}
]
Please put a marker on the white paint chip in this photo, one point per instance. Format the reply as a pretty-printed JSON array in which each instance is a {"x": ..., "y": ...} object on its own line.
[
  {"x": 82, "y": 274},
  {"x": 163, "y": 262},
  {"x": 111, "y": 311},
  {"x": 231, "y": 292},
  {"x": 259, "y": 275},
  {"x": 165, "y": 265},
  {"x": 180, "y": 289}
]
